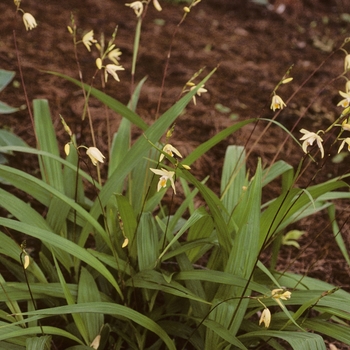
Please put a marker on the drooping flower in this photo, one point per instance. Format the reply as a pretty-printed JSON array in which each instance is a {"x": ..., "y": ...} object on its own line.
[
  {"x": 137, "y": 6},
  {"x": 265, "y": 317},
  {"x": 29, "y": 21},
  {"x": 95, "y": 155},
  {"x": 169, "y": 149},
  {"x": 98, "y": 63},
  {"x": 88, "y": 39},
  {"x": 277, "y": 103},
  {"x": 309, "y": 138},
  {"x": 96, "y": 342},
  {"x": 67, "y": 148},
  {"x": 346, "y": 101},
  {"x": 347, "y": 63},
  {"x": 125, "y": 243},
  {"x": 112, "y": 70},
  {"x": 345, "y": 141},
  {"x": 114, "y": 56},
  {"x": 200, "y": 91},
  {"x": 156, "y": 5},
  {"x": 26, "y": 261},
  {"x": 165, "y": 175},
  {"x": 345, "y": 125}
]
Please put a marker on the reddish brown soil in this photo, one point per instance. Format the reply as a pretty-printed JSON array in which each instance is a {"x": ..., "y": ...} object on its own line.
[{"x": 252, "y": 46}]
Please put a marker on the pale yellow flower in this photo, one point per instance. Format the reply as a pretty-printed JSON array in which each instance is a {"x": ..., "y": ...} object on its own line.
[
  {"x": 99, "y": 63},
  {"x": 345, "y": 141},
  {"x": 88, "y": 39},
  {"x": 346, "y": 101},
  {"x": 169, "y": 149},
  {"x": 287, "y": 80},
  {"x": 165, "y": 175},
  {"x": 156, "y": 5},
  {"x": 200, "y": 91},
  {"x": 137, "y": 6},
  {"x": 125, "y": 243},
  {"x": 185, "y": 166},
  {"x": 277, "y": 103},
  {"x": 345, "y": 125},
  {"x": 67, "y": 148},
  {"x": 281, "y": 294},
  {"x": 29, "y": 21},
  {"x": 95, "y": 155},
  {"x": 265, "y": 317},
  {"x": 112, "y": 70},
  {"x": 114, "y": 56},
  {"x": 26, "y": 261},
  {"x": 309, "y": 138},
  {"x": 96, "y": 342},
  {"x": 347, "y": 63}
]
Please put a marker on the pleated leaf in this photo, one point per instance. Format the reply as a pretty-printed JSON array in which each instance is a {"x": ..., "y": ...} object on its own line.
[
  {"x": 88, "y": 292},
  {"x": 115, "y": 310}
]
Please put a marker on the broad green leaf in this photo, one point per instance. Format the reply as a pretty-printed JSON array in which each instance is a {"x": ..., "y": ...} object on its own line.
[
  {"x": 64, "y": 244},
  {"x": 51, "y": 170},
  {"x": 297, "y": 340},
  {"x": 39, "y": 343},
  {"x": 16, "y": 332},
  {"x": 122, "y": 139},
  {"x": 338, "y": 332},
  {"x": 221, "y": 278},
  {"x": 88, "y": 292},
  {"x": 113, "y": 309},
  {"x": 78, "y": 321},
  {"x": 147, "y": 242},
  {"x": 150, "y": 279}
]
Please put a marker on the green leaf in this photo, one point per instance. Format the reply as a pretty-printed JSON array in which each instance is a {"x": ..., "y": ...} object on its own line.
[
  {"x": 147, "y": 242},
  {"x": 337, "y": 233},
  {"x": 113, "y": 309},
  {"x": 17, "y": 332},
  {"x": 5, "y": 77},
  {"x": 88, "y": 292},
  {"x": 64, "y": 244},
  {"x": 297, "y": 340},
  {"x": 8, "y": 138},
  {"x": 6, "y": 109},
  {"x": 39, "y": 343}
]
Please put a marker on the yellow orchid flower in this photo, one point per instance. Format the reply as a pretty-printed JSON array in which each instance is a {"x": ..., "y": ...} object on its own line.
[
  {"x": 95, "y": 155},
  {"x": 165, "y": 175},
  {"x": 309, "y": 138},
  {"x": 277, "y": 103}
]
